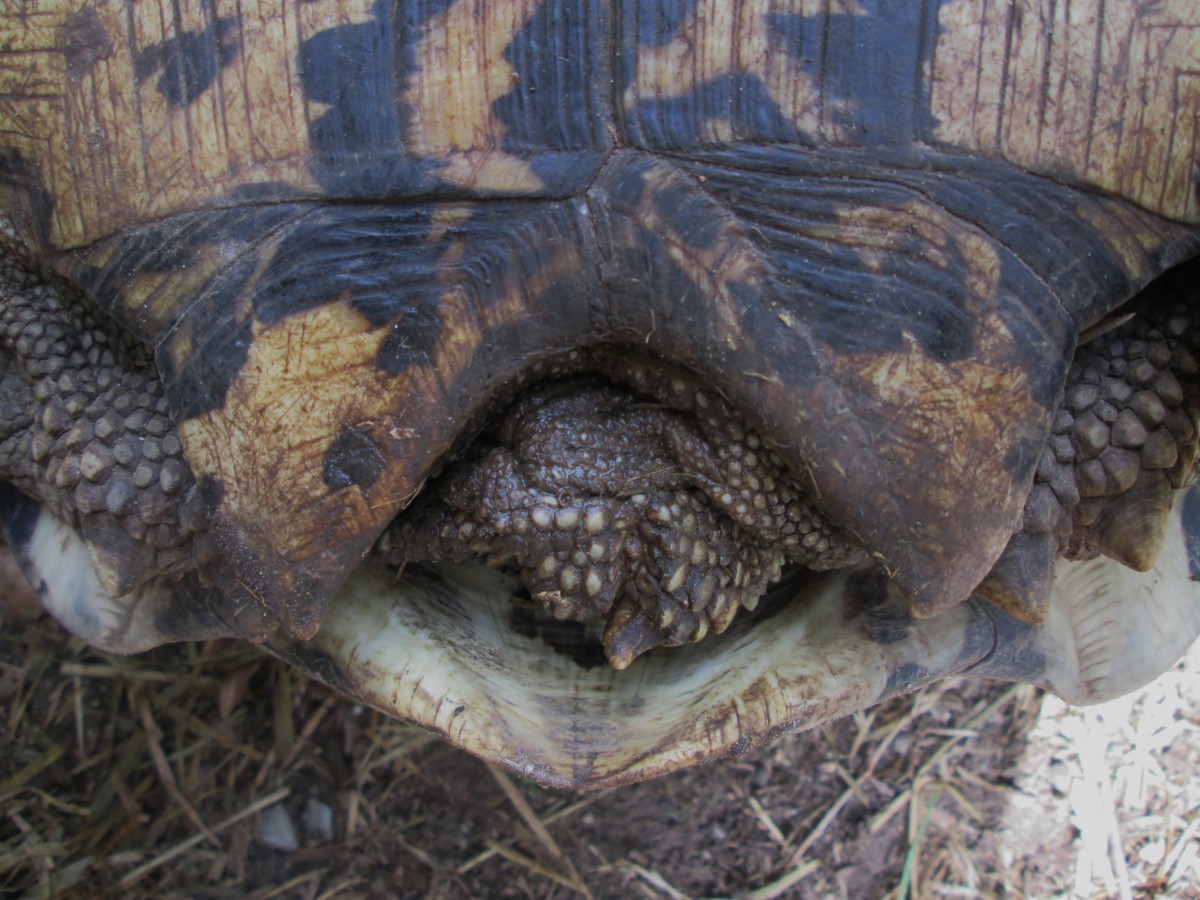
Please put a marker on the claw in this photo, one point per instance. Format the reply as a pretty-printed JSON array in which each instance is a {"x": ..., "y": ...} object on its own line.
[
  {"x": 629, "y": 634},
  {"x": 1020, "y": 582},
  {"x": 1132, "y": 526}
]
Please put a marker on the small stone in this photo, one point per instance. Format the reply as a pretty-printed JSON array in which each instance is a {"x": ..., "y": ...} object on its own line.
[
  {"x": 1042, "y": 510},
  {"x": 1180, "y": 424},
  {"x": 318, "y": 820},
  {"x": 568, "y": 579},
  {"x": 40, "y": 446},
  {"x": 75, "y": 405},
  {"x": 594, "y": 583},
  {"x": 276, "y": 830},
  {"x": 79, "y": 435},
  {"x": 595, "y": 520}
]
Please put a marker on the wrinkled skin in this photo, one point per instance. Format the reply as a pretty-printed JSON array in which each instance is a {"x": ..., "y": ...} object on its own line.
[{"x": 881, "y": 312}]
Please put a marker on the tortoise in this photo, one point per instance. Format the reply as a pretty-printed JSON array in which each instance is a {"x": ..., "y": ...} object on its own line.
[{"x": 609, "y": 387}]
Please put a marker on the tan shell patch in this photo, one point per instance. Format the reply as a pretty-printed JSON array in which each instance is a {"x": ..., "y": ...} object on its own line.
[
  {"x": 724, "y": 37},
  {"x": 1106, "y": 93},
  {"x": 463, "y": 73},
  {"x": 115, "y": 151}
]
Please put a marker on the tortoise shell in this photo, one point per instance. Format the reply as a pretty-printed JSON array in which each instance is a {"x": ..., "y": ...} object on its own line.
[{"x": 349, "y": 231}]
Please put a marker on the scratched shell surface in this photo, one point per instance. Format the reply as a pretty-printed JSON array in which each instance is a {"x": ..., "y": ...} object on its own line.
[{"x": 878, "y": 226}]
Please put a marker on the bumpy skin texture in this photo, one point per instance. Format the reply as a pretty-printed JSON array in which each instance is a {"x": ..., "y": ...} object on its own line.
[
  {"x": 663, "y": 517},
  {"x": 1123, "y": 441},
  {"x": 86, "y": 429}
]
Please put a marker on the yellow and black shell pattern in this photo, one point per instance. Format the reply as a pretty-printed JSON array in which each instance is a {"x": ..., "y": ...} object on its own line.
[{"x": 345, "y": 225}]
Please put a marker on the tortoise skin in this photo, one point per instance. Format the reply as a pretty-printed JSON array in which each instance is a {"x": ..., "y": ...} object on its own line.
[{"x": 346, "y": 228}]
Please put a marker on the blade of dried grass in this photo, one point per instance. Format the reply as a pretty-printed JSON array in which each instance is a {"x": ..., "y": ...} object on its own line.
[
  {"x": 131, "y": 755},
  {"x": 420, "y": 854},
  {"x": 832, "y": 812},
  {"x": 119, "y": 672},
  {"x": 61, "y": 805},
  {"x": 910, "y": 878},
  {"x": 550, "y": 819},
  {"x": 909, "y": 884},
  {"x": 653, "y": 878},
  {"x": 214, "y": 733},
  {"x": 881, "y": 818},
  {"x": 960, "y": 734},
  {"x": 520, "y": 859},
  {"x": 1100, "y": 831},
  {"x": 16, "y": 710},
  {"x": 866, "y": 728},
  {"x": 551, "y": 848},
  {"x": 183, "y": 846},
  {"x": 339, "y": 888},
  {"x": 285, "y": 728},
  {"x": 767, "y": 822},
  {"x": 80, "y": 730},
  {"x": 1180, "y": 845},
  {"x": 30, "y": 771},
  {"x": 288, "y": 886},
  {"x": 406, "y": 748},
  {"x": 781, "y": 886},
  {"x": 851, "y": 782},
  {"x": 296, "y": 745},
  {"x": 166, "y": 775}
]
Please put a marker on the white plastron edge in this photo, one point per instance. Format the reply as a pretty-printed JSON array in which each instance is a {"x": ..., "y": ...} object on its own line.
[{"x": 1110, "y": 629}]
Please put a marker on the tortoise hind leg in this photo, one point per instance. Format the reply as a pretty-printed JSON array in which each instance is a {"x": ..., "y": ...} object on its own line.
[
  {"x": 85, "y": 432},
  {"x": 1122, "y": 443}
]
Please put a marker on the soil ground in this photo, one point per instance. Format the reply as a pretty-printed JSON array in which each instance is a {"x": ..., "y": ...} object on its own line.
[{"x": 212, "y": 771}]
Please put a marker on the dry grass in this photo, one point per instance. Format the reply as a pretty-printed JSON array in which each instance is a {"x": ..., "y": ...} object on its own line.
[{"x": 210, "y": 771}]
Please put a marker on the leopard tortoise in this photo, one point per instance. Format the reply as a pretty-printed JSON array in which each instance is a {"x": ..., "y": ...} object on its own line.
[{"x": 609, "y": 386}]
